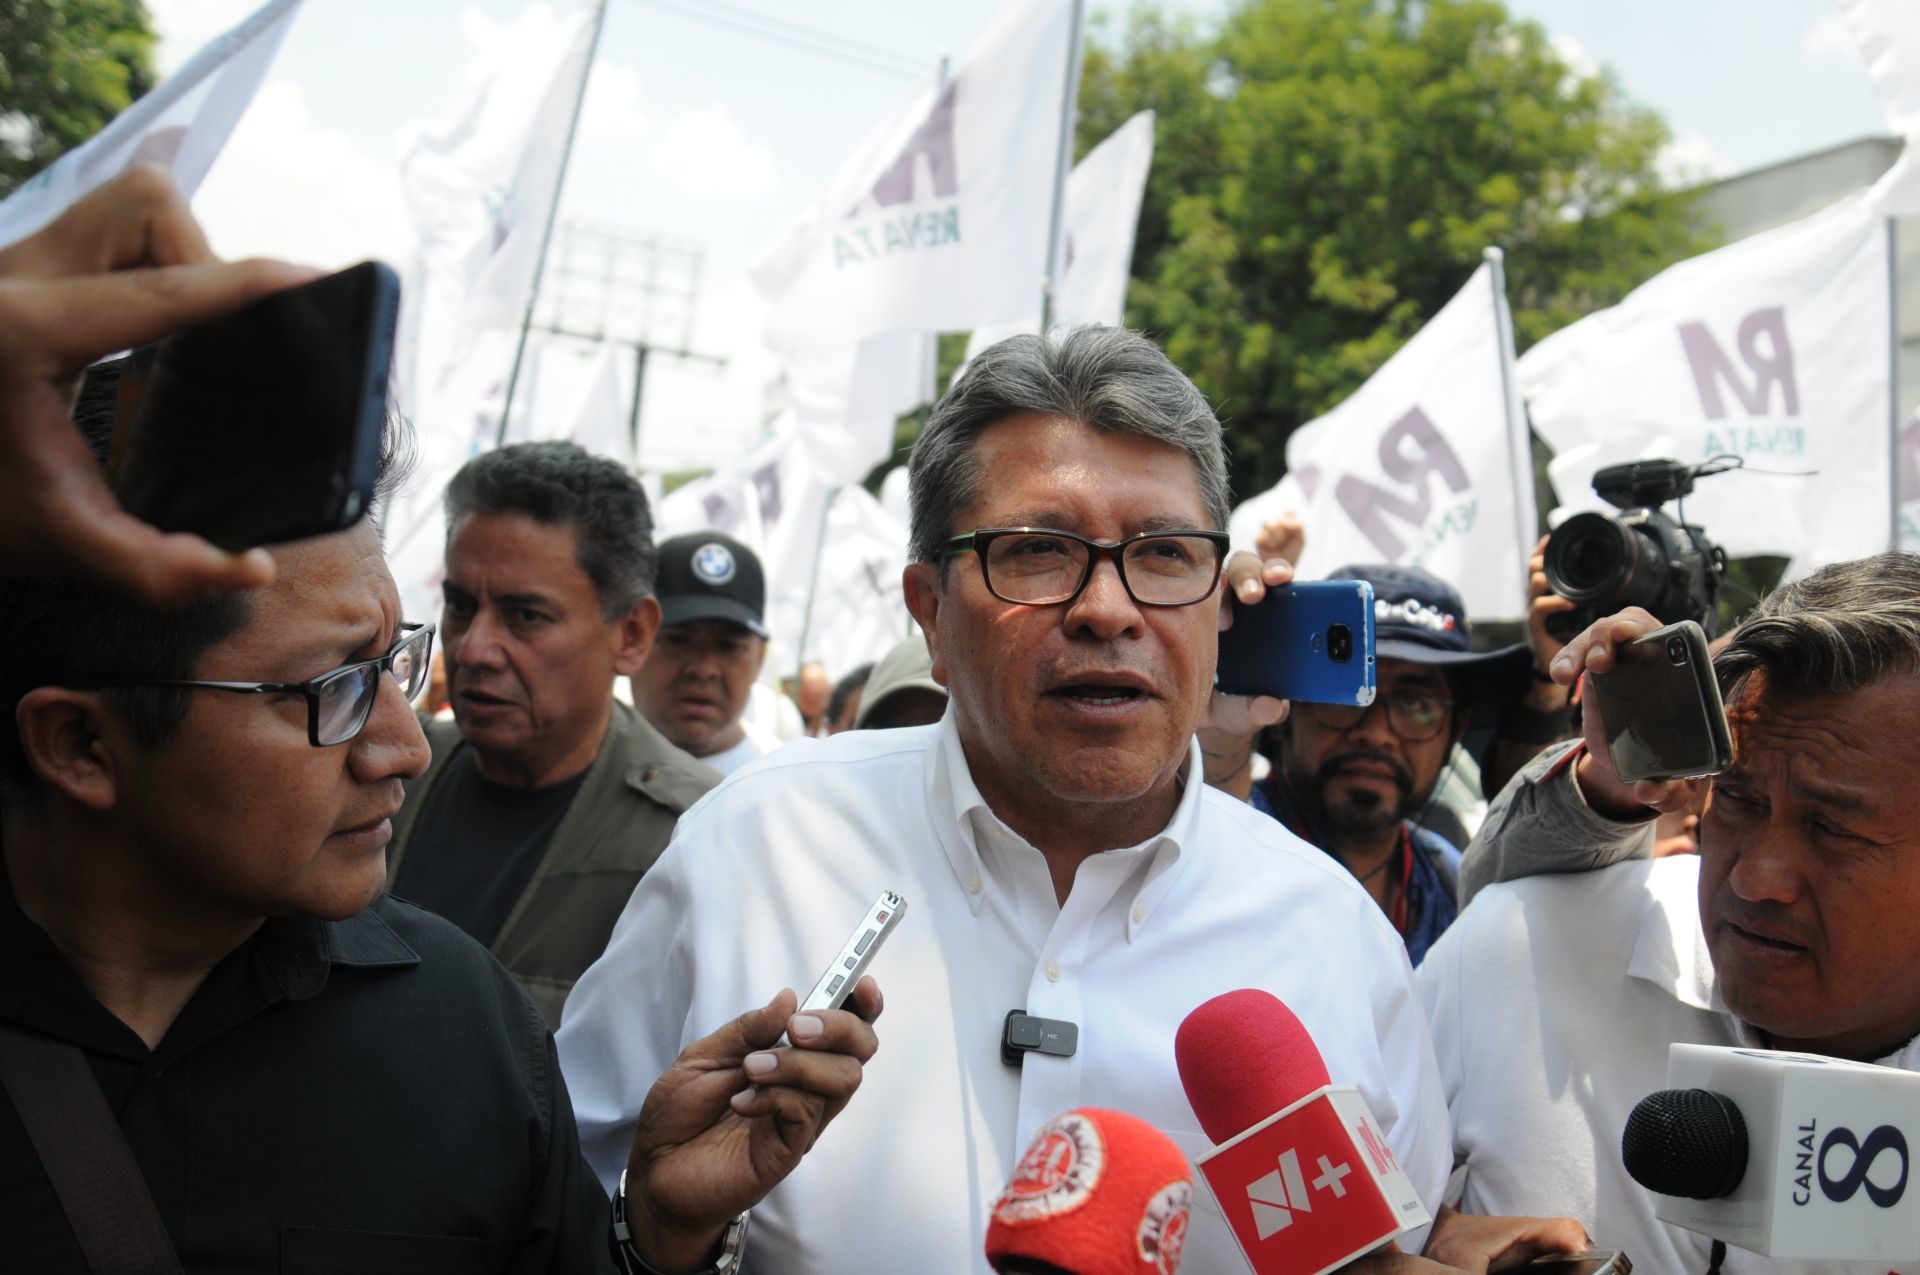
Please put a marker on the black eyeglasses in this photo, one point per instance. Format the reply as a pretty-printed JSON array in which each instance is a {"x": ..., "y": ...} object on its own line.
[
  {"x": 1036, "y": 566},
  {"x": 338, "y": 703},
  {"x": 1415, "y": 713}
]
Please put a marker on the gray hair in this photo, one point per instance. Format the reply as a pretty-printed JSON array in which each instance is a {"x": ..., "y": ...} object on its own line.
[
  {"x": 561, "y": 484},
  {"x": 1109, "y": 378},
  {"x": 1842, "y": 628}
]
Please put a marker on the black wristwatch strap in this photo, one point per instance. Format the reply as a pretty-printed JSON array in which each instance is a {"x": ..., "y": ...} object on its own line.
[{"x": 732, "y": 1245}]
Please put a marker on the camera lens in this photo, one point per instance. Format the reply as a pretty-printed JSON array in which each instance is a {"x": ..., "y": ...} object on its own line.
[
  {"x": 1590, "y": 557},
  {"x": 1339, "y": 643},
  {"x": 1677, "y": 649}
]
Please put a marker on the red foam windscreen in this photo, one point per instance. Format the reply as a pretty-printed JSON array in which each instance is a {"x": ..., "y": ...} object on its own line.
[
  {"x": 1243, "y": 1056},
  {"x": 1098, "y": 1193}
]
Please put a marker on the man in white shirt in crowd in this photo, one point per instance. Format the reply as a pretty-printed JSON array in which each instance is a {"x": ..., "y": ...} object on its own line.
[
  {"x": 1554, "y": 999},
  {"x": 698, "y": 677},
  {"x": 1056, "y": 846}
]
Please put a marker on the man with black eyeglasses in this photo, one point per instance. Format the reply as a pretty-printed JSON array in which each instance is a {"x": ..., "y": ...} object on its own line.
[
  {"x": 222, "y": 1045},
  {"x": 1358, "y": 782},
  {"x": 1057, "y": 849}
]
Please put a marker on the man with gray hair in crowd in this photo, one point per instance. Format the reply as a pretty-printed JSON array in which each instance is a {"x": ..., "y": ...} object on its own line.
[
  {"x": 547, "y": 797},
  {"x": 1057, "y": 849},
  {"x": 1554, "y": 999}
]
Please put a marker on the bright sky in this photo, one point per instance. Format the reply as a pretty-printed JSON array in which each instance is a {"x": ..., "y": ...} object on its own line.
[{"x": 708, "y": 133}]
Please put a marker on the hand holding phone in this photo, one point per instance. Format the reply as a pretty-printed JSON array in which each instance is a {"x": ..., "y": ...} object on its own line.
[
  {"x": 264, "y": 425},
  {"x": 1661, "y": 709},
  {"x": 1309, "y": 640}
]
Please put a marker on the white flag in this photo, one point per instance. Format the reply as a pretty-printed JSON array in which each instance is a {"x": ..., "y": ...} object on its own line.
[
  {"x": 847, "y": 399},
  {"x": 940, "y": 221},
  {"x": 1774, "y": 349},
  {"x": 1888, "y": 33},
  {"x": 1420, "y": 466},
  {"x": 601, "y": 423},
  {"x": 181, "y": 125},
  {"x": 1103, "y": 211},
  {"x": 481, "y": 184}
]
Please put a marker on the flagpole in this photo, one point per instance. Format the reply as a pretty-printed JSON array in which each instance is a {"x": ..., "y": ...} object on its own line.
[
  {"x": 930, "y": 384},
  {"x": 553, "y": 209},
  {"x": 1893, "y": 384},
  {"x": 813, "y": 584},
  {"x": 1069, "y": 98},
  {"x": 1516, "y": 429}
]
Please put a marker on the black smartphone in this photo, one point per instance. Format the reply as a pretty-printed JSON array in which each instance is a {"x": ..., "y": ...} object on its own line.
[
  {"x": 1591, "y": 1262},
  {"x": 1309, "y": 640},
  {"x": 1661, "y": 706},
  {"x": 265, "y": 425}
]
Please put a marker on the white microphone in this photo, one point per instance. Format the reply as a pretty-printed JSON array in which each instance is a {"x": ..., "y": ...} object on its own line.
[{"x": 1785, "y": 1155}]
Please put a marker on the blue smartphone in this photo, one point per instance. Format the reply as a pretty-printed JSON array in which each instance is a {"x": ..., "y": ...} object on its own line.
[{"x": 1310, "y": 640}]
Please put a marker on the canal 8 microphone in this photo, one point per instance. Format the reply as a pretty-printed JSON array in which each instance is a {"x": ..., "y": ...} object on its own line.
[
  {"x": 1303, "y": 1173},
  {"x": 1786, "y": 1155},
  {"x": 1098, "y": 1193}
]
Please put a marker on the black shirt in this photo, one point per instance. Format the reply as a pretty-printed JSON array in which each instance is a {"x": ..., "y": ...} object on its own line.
[
  {"x": 371, "y": 1095},
  {"x": 476, "y": 844}
]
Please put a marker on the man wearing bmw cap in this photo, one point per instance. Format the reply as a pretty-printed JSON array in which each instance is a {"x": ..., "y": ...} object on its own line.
[
  {"x": 695, "y": 682},
  {"x": 1357, "y": 782}
]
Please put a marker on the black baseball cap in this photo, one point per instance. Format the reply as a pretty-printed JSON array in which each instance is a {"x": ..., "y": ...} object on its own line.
[
  {"x": 1420, "y": 618},
  {"x": 708, "y": 576}
]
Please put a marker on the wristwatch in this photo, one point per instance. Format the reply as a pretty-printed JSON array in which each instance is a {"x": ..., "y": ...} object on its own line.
[{"x": 732, "y": 1244}]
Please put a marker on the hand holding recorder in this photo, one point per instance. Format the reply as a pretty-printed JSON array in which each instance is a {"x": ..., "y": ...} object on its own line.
[{"x": 734, "y": 1115}]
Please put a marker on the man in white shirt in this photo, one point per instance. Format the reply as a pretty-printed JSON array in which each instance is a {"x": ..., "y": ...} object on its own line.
[
  {"x": 1056, "y": 846},
  {"x": 1554, "y": 998},
  {"x": 698, "y": 677}
]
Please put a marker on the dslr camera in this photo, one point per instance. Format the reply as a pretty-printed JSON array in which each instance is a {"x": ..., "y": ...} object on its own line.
[{"x": 1640, "y": 556}]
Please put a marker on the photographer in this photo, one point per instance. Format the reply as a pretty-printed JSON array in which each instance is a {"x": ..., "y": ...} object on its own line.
[{"x": 1554, "y": 999}]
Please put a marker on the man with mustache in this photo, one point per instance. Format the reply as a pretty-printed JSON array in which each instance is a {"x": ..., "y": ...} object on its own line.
[
  {"x": 1359, "y": 782},
  {"x": 1556, "y": 997},
  {"x": 547, "y": 797}
]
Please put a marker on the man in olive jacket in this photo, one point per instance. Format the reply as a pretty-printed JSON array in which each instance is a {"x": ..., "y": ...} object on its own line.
[{"x": 547, "y": 799}]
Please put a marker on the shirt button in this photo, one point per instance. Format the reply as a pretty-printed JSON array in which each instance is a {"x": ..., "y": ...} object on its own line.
[
  {"x": 1139, "y": 914},
  {"x": 973, "y": 886},
  {"x": 1053, "y": 971}
]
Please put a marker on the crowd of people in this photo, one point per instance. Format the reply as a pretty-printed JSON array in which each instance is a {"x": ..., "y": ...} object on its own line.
[{"x": 318, "y": 972}]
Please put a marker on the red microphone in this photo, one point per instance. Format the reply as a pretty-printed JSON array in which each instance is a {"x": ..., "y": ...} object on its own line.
[
  {"x": 1302, "y": 1171},
  {"x": 1098, "y": 1193}
]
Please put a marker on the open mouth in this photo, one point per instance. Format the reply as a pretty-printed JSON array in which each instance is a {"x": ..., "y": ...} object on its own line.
[
  {"x": 1099, "y": 694},
  {"x": 1767, "y": 942}
]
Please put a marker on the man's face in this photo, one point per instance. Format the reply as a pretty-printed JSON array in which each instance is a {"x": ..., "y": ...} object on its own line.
[
  {"x": 1362, "y": 778},
  {"x": 238, "y": 811},
  {"x": 530, "y": 657},
  {"x": 1810, "y": 867},
  {"x": 1091, "y": 702},
  {"x": 694, "y": 684}
]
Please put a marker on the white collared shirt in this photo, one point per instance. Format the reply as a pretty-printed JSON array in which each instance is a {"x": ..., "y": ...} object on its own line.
[
  {"x": 1553, "y": 1000},
  {"x": 768, "y": 872}
]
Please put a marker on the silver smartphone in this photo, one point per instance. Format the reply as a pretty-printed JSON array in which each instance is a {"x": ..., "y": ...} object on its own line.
[{"x": 836, "y": 984}]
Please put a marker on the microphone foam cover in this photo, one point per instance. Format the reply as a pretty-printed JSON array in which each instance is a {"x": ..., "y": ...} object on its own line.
[
  {"x": 1242, "y": 1057},
  {"x": 1098, "y": 1193},
  {"x": 1686, "y": 1142}
]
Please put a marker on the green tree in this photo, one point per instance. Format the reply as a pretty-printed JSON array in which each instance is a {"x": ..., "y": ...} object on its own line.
[
  {"x": 1327, "y": 173},
  {"x": 66, "y": 68}
]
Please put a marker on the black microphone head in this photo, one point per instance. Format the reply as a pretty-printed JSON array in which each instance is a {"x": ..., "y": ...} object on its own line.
[{"x": 1686, "y": 1142}]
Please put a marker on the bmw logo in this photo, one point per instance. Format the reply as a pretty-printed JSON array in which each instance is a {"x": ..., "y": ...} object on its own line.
[{"x": 713, "y": 563}]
